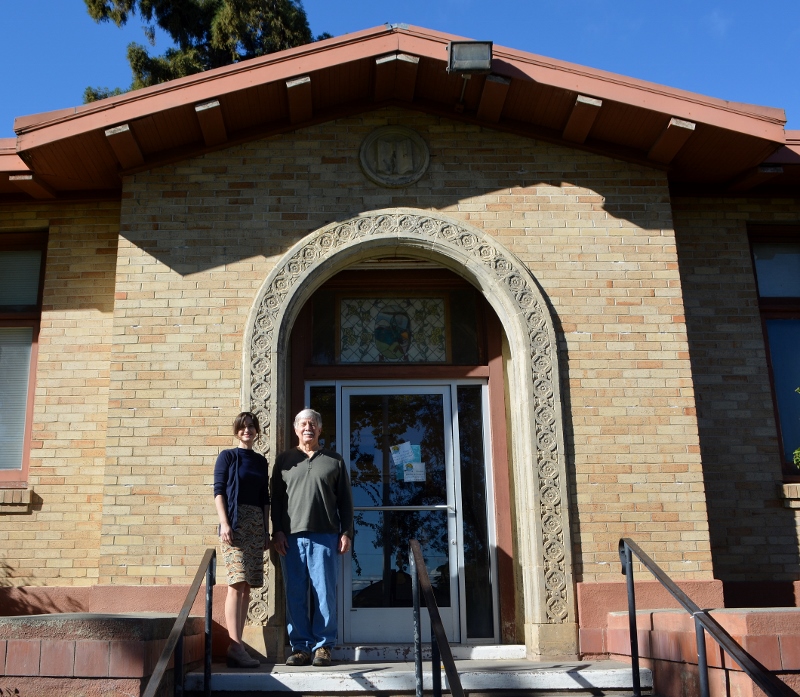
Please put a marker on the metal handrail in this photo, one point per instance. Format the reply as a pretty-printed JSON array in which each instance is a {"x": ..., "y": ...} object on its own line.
[
  {"x": 175, "y": 639},
  {"x": 703, "y": 622},
  {"x": 439, "y": 643}
]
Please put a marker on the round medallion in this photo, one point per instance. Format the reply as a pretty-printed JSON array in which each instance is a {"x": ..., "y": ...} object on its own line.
[{"x": 394, "y": 156}]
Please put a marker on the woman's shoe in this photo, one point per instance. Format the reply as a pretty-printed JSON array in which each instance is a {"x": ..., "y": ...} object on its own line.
[{"x": 239, "y": 658}]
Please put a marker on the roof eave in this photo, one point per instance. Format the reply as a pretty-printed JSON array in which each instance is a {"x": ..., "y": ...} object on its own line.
[
  {"x": 40, "y": 129},
  {"x": 10, "y": 162}
]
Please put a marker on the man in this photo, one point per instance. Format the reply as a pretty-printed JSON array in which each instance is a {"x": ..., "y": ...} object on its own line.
[{"x": 312, "y": 523}]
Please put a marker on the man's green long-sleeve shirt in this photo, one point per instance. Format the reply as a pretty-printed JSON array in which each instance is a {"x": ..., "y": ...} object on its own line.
[{"x": 311, "y": 494}]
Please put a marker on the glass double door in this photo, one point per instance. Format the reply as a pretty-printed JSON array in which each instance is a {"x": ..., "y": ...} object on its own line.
[{"x": 403, "y": 444}]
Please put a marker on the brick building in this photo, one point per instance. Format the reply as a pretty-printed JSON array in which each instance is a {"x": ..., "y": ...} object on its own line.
[{"x": 575, "y": 292}]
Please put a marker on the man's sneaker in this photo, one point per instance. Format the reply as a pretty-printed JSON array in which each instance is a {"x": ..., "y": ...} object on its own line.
[
  {"x": 299, "y": 658},
  {"x": 322, "y": 657}
]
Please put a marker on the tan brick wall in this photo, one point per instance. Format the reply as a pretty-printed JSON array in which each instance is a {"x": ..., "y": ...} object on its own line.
[
  {"x": 198, "y": 239},
  {"x": 753, "y": 535},
  {"x": 58, "y": 542}
]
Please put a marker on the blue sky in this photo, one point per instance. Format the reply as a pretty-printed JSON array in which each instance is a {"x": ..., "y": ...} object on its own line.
[{"x": 736, "y": 50}]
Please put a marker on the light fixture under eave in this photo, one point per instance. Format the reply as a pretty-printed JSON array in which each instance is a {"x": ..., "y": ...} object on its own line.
[{"x": 469, "y": 57}]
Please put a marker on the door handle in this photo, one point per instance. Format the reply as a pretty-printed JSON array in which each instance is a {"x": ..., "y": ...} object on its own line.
[{"x": 437, "y": 507}]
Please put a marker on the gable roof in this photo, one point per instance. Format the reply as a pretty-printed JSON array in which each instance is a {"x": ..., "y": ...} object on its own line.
[{"x": 702, "y": 142}]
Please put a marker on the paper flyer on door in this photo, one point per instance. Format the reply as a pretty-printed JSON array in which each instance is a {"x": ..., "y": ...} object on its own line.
[{"x": 408, "y": 462}]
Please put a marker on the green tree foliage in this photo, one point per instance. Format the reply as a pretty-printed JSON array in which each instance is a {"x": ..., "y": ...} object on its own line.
[
  {"x": 207, "y": 34},
  {"x": 92, "y": 94}
]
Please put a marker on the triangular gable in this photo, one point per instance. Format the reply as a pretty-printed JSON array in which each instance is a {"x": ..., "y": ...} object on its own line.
[{"x": 700, "y": 141}]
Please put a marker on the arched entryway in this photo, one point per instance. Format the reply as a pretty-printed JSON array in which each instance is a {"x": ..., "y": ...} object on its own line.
[{"x": 540, "y": 486}]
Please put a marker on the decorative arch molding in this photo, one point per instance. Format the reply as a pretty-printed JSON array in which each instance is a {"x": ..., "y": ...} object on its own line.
[{"x": 539, "y": 470}]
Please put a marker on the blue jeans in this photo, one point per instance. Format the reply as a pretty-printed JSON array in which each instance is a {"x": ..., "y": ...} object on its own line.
[{"x": 312, "y": 561}]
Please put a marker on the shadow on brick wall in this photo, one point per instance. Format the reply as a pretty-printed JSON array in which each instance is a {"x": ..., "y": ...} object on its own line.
[
  {"x": 19, "y": 598},
  {"x": 753, "y": 535}
]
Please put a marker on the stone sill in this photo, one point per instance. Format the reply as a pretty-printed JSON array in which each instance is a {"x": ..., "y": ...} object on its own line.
[
  {"x": 16, "y": 500},
  {"x": 791, "y": 494}
]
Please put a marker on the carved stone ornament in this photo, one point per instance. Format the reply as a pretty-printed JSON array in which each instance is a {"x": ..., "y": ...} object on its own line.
[
  {"x": 258, "y": 611},
  {"x": 539, "y": 465},
  {"x": 394, "y": 156}
]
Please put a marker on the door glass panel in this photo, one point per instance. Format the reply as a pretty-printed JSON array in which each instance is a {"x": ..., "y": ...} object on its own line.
[
  {"x": 378, "y": 422},
  {"x": 323, "y": 400},
  {"x": 477, "y": 568},
  {"x": 381, "y": 575},
  {"x": 464, "y": 327}
]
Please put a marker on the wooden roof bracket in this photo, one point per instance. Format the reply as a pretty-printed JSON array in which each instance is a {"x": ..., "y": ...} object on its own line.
[
  {"x": 212, "y": 122},
  {"x": 126, "y": 148},
  {"x": 31, "y": 185},
  {"x": 395, "y": 77},
  {"x": 493, "y": 98},
  {"x": 581, "y": 119},
  {"x": 301, "y": 106},
  {"x": 670, "y": 141},
  {"x": 753, "y": 177}
]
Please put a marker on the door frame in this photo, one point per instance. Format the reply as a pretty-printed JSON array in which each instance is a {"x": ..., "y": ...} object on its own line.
[
  {"x": 451, "y": 386},
  {"x": 545, "y": 603}
]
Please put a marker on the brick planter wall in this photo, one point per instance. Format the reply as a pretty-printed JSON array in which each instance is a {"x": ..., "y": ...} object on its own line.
[
  {"x": 89, "y": 654},
  {"x": 668, "y": 647},
  {"x": 599, "y": 601}
]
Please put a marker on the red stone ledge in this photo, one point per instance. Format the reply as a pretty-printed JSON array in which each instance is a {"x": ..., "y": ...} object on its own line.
[
  {"x": 668, "y": 647},
  {"x": 91, "y": 646},
  {"x": 597, "y": 600},
  {"x": 104, "y": 599},
  {"x": 85, "y": 687},
  {"x": 42, "y": 600}
]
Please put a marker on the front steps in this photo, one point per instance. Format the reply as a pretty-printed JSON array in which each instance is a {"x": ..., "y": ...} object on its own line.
[
  {"x": 388, "y": 653},
  {"x": 478, "y": 676}
]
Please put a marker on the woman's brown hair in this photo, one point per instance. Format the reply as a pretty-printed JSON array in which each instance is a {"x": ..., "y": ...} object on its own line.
[{"x": 241, "y": 421}]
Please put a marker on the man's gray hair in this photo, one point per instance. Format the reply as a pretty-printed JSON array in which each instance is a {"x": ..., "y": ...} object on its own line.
[{"x": 309, "y": 414}]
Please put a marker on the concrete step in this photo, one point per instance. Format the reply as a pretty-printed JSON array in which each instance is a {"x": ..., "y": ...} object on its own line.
[
  {"x": 509, "y": 677},
  {"x": 356, "y": 653}
]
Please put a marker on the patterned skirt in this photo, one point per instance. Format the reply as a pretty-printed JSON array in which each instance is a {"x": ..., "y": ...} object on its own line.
[{"x": 244, "y": 559}]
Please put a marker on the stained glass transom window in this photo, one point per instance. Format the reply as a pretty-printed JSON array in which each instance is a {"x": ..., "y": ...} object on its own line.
[{"x": 394, "y": 330}]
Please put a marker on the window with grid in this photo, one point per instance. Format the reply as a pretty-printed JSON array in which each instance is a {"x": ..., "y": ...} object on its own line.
[
  {"x": 776, "y": 260},
  {"x": 22, "y": 257}
]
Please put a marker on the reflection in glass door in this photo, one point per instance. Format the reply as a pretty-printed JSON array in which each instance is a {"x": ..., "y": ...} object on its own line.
[
  {"x": 418, "y": 467},
  {"x": 400, "y": 459}
]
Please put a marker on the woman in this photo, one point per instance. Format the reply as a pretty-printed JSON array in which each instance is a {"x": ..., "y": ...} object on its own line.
[{"x": 241, "y": 497}]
